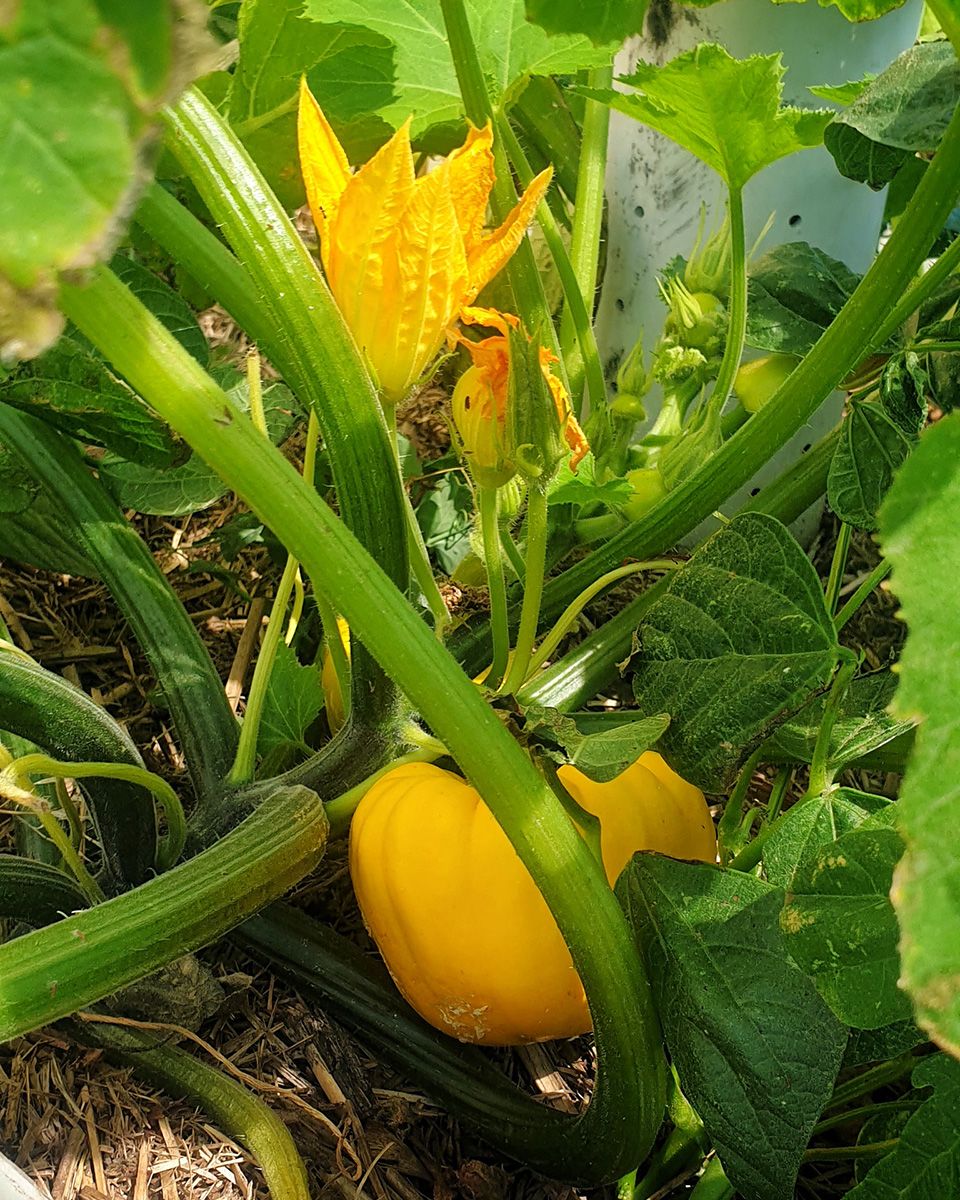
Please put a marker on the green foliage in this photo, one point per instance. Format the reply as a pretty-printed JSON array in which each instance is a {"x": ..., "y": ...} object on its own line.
[
  {"x": 445, "y": 517},
  {"x": 840, "y": 925},
  {"x": 583, "y": 488},
  {"x": 794, "y": 292},
  {"x": 905, "y": 110},
  {"x": 863, "y": 724},
  {"x": 843, "y": 93},
  {"x": 425, "y": 83},
  {"x": 871, "y": 448},
  {"x": 173, "y": 491},
  {"x": 293, "y": 702},
  {"x": 739, "y": 640},
  {"x": 920, "y": 535},
  {"x": 806, "y": 828},
  {"x": 600, "y": 756},
  {"x": 925, "y": 1163},
  {"x": 167, "y": 305},
  {"x": 876, "y": 1045},
  {"x": 350, "y": 69},
  {"x": 602, "y": 20},
  {"x": 743, "y": 1025},
  {"x": 74, "y": 391},
  {"x": 725, "y": 111},
  {"x": 80, "y": 85}
]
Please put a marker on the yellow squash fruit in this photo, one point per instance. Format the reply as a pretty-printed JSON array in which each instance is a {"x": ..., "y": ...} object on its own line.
[
  {"x": 463, "y": 929},
  {"x": 332, "y": 699}
]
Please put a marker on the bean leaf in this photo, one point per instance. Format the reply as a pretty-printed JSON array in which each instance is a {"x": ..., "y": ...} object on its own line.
[
  {"x": 903, "y": 111},
  {"x": 600, "y": 756},
  {"x": 871, "y": 448},
  {"x": 795, "y": 291},
  {"x": 922, "y": 538},
  {"x": 293, "y": 701},
  {"x": 724, "y": 110},
  {"x": 755, "y": 1048},
  {"x": 841, "y": 927},
  {"x": 806, "y": 828},
  {"x": 738, "y": 642}
]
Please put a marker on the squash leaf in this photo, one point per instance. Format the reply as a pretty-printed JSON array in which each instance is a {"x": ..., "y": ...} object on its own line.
[
  {"x": 921, "y": 536},
  {"x": 724, "y": 110}
]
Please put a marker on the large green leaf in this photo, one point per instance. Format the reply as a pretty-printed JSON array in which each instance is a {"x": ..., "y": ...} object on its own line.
[
  {"x": 510, "y": 50},
  {"x": 167, "y": 305},
  {"x": 795, "y": 291},
  {"x": 601, "y": 20},
  {"x": 905, "y": 110},
  {"x": 871, "y": 448},
  {"x": 739, "y": 640},
  {"x": 350, "y": 70},
  {"x": 755, "y": 1048},
  {"x": 921, "y": 536},
  {"x": 80, "y": 84},
  {"x": 841, "y": 928},
  {"x": 724, "y": 110},
  {"x": 73, "y": 390},
  {"x": 925, "y": 1163}
]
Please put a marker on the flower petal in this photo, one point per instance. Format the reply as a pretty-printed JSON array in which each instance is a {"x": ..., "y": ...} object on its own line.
[
  {"x": 573, "y": 435},
  {"x": 323, "y": 162},
  {"x": 490, "y": 317},
  {"x": 362, "y": 248},
  {"x": 492, "y": 252},
  {"x": 471, "y": 181},
  {"x": 433, "y": 278}
]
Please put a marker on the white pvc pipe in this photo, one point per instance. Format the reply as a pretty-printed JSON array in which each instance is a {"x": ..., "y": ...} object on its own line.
[
  {"x": 14, "y": 1185},
  {"x": 655, "y": 189}
]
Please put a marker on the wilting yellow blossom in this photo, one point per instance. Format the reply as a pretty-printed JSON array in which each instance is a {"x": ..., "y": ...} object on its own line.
[
  {"x": 480, "y": 401},
  {"x": 402, "y": 254}
]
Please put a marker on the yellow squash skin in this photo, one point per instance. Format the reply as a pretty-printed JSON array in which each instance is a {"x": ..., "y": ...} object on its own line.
[{"x": 462, "y": 928}]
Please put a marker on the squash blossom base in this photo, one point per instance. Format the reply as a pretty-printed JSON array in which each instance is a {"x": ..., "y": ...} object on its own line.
[{"x": 460, "y": 923}]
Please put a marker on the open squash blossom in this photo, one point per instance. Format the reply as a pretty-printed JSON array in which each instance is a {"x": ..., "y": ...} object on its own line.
[
  {"x": 402, "y": 255},
  {"x": 481, "y": 396}
]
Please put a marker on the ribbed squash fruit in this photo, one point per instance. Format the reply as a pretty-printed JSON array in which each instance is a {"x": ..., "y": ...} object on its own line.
[{"x": 463, "y": 929}]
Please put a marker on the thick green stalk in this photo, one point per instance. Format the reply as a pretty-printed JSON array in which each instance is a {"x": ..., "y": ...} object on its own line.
[
  {"x": 575, "y": 305},
  {"x": 240, "y": 1114},
  {"x": 54, "y": 714},
  {"x": 833, "y": 357},
  {"x": 192, "y": 690},
  {"x": 522, "y": 270},
  {"x": 102, "y": 949},
  {"x": 357, "y": 991},
  {"x": 628, "y": 1104},
  {"x": 918, "y": 292},
  {"x": 301, "y": 332},
  {"x": 535, "y": 561},
  {"x": 549, "y": 126},
  {"x": 947, "y": 13},
  {"x": 488, "y": 504},
  {"x": 587, "y": 218}
]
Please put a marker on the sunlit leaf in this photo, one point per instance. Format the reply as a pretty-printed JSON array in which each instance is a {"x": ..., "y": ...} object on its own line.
[{"x": 724, "y": 110}]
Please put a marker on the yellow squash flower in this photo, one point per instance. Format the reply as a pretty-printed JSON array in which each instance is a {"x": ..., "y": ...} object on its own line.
[
  {"x": 402, "y": 254},
  {"x": 480, "y": 400}
]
